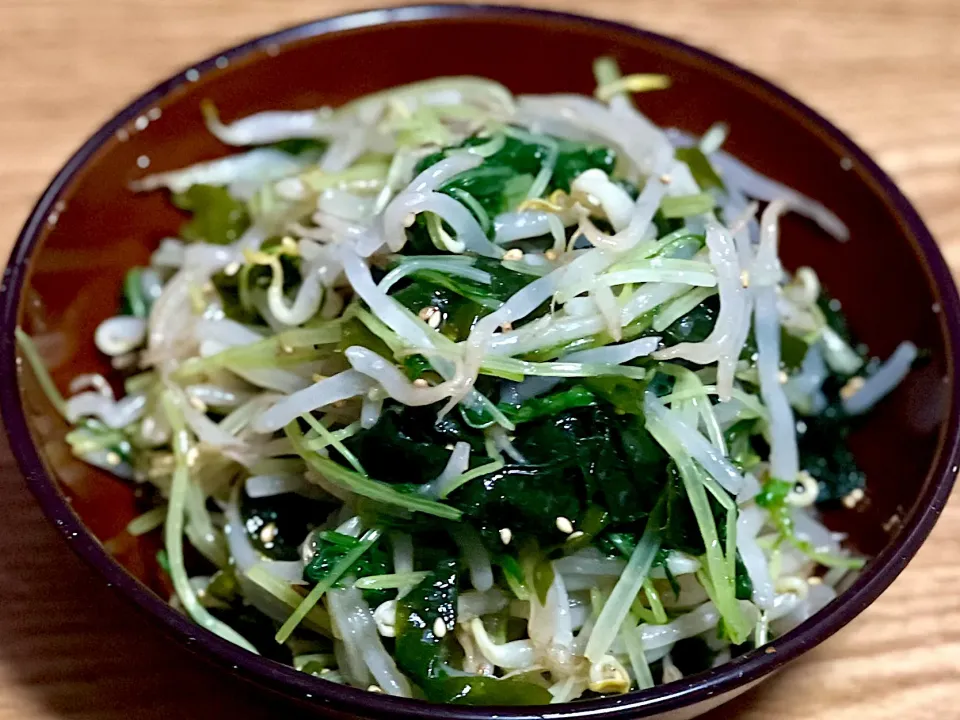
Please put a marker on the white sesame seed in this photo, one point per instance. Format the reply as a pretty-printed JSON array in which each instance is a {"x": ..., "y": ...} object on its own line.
[
  {"x": 745, "y": 278},
  {"x": 666, "y": 179},
  {"x": 268, "y": 534},
  {"x": 514, "y": 254},
  {"x": 232, "y": 269},
  {"x": 375, "y": 688},
  {"x": 439, "y": 627},
  {"x": 576, "y": 535},
  {"x": 783, "y": 377},
  {"x": 409, "y": 220},
  {"x": 855, "y": 496},
  {"x": 852, "y": 386},
  {"x": 143, "y": 162},
  {"x": 317, "y": 377},
  {"x": 197, "y": 403},
  {"x": 551, "y": 254},
  {"x": 506, "y": 535},
  {"x": 507, "y": 327},
  {"x": 815, "y": 580},
  {"x": 113, "y": 458},
  {"x": 564, "y": 525},
  {"x": 420, "y": 383},
  {"x": 431, "y": 315}
]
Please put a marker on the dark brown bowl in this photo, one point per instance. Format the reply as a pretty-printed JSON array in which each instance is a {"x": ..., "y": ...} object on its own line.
[{"x": 64, "y": 275}]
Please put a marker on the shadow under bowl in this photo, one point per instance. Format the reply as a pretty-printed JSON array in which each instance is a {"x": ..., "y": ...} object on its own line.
[{"x": 65, "y": 272}]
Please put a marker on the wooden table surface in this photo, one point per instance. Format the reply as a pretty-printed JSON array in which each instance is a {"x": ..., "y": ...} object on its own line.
[{"x": 886, "y": 71}]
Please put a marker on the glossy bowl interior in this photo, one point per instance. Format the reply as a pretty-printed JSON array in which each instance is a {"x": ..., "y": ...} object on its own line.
[{"x": 65, "y": 273}]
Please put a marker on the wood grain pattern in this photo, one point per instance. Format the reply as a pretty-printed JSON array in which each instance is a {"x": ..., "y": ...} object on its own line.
[{"x": 887, "y": 71}]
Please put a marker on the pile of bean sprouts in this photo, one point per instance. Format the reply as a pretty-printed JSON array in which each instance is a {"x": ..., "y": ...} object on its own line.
[{"x": 207, "y": 408}]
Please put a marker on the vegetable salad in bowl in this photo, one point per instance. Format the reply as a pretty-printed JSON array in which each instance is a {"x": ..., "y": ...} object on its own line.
[{"x": 458, "y": 395}]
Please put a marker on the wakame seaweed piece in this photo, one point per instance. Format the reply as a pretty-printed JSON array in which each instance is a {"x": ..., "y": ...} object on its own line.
[
  {"x": 743, "y": 583},
  {"x": 493, "y": 185},
  {"x": 679, "y": 529},
  {"x": 824, "y": 453},
  {"x": 408, "y": 445},
  {"x": 504, "y": 283},
  {"x": 218, "y": 218},
  {"x": 618, "y": 543},
  {"x": 420, "y": 652},
  {"x": 462, "y": 302},
  {"x": 525, "y": 498},
  {"x": 498, "y": 184},
  {"x": 223, "y": 598},
  {"x": 425, "y": 656},
  {"x": 538, "y": 407},
  {"x": 594, "y": 521},
  {"x": 526, "y": 158},
  {"x": 575, "y": 459},
  {"x": 331, "y": 547},
  {"x": 792, "y": 349},
  {"x": 621, "y": 464},
  {"x": 458, "y": 313},
  {"x": 418, "y": 238},
  {"x": 575, "y": 158},
  {"x": 277, "y": 525},
  {"x": 695, "y": 326},
  {"x": 626, "y": 394}
]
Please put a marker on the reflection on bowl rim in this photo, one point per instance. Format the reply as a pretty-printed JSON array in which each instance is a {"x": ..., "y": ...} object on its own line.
[{"x": 737, "y": 674}]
